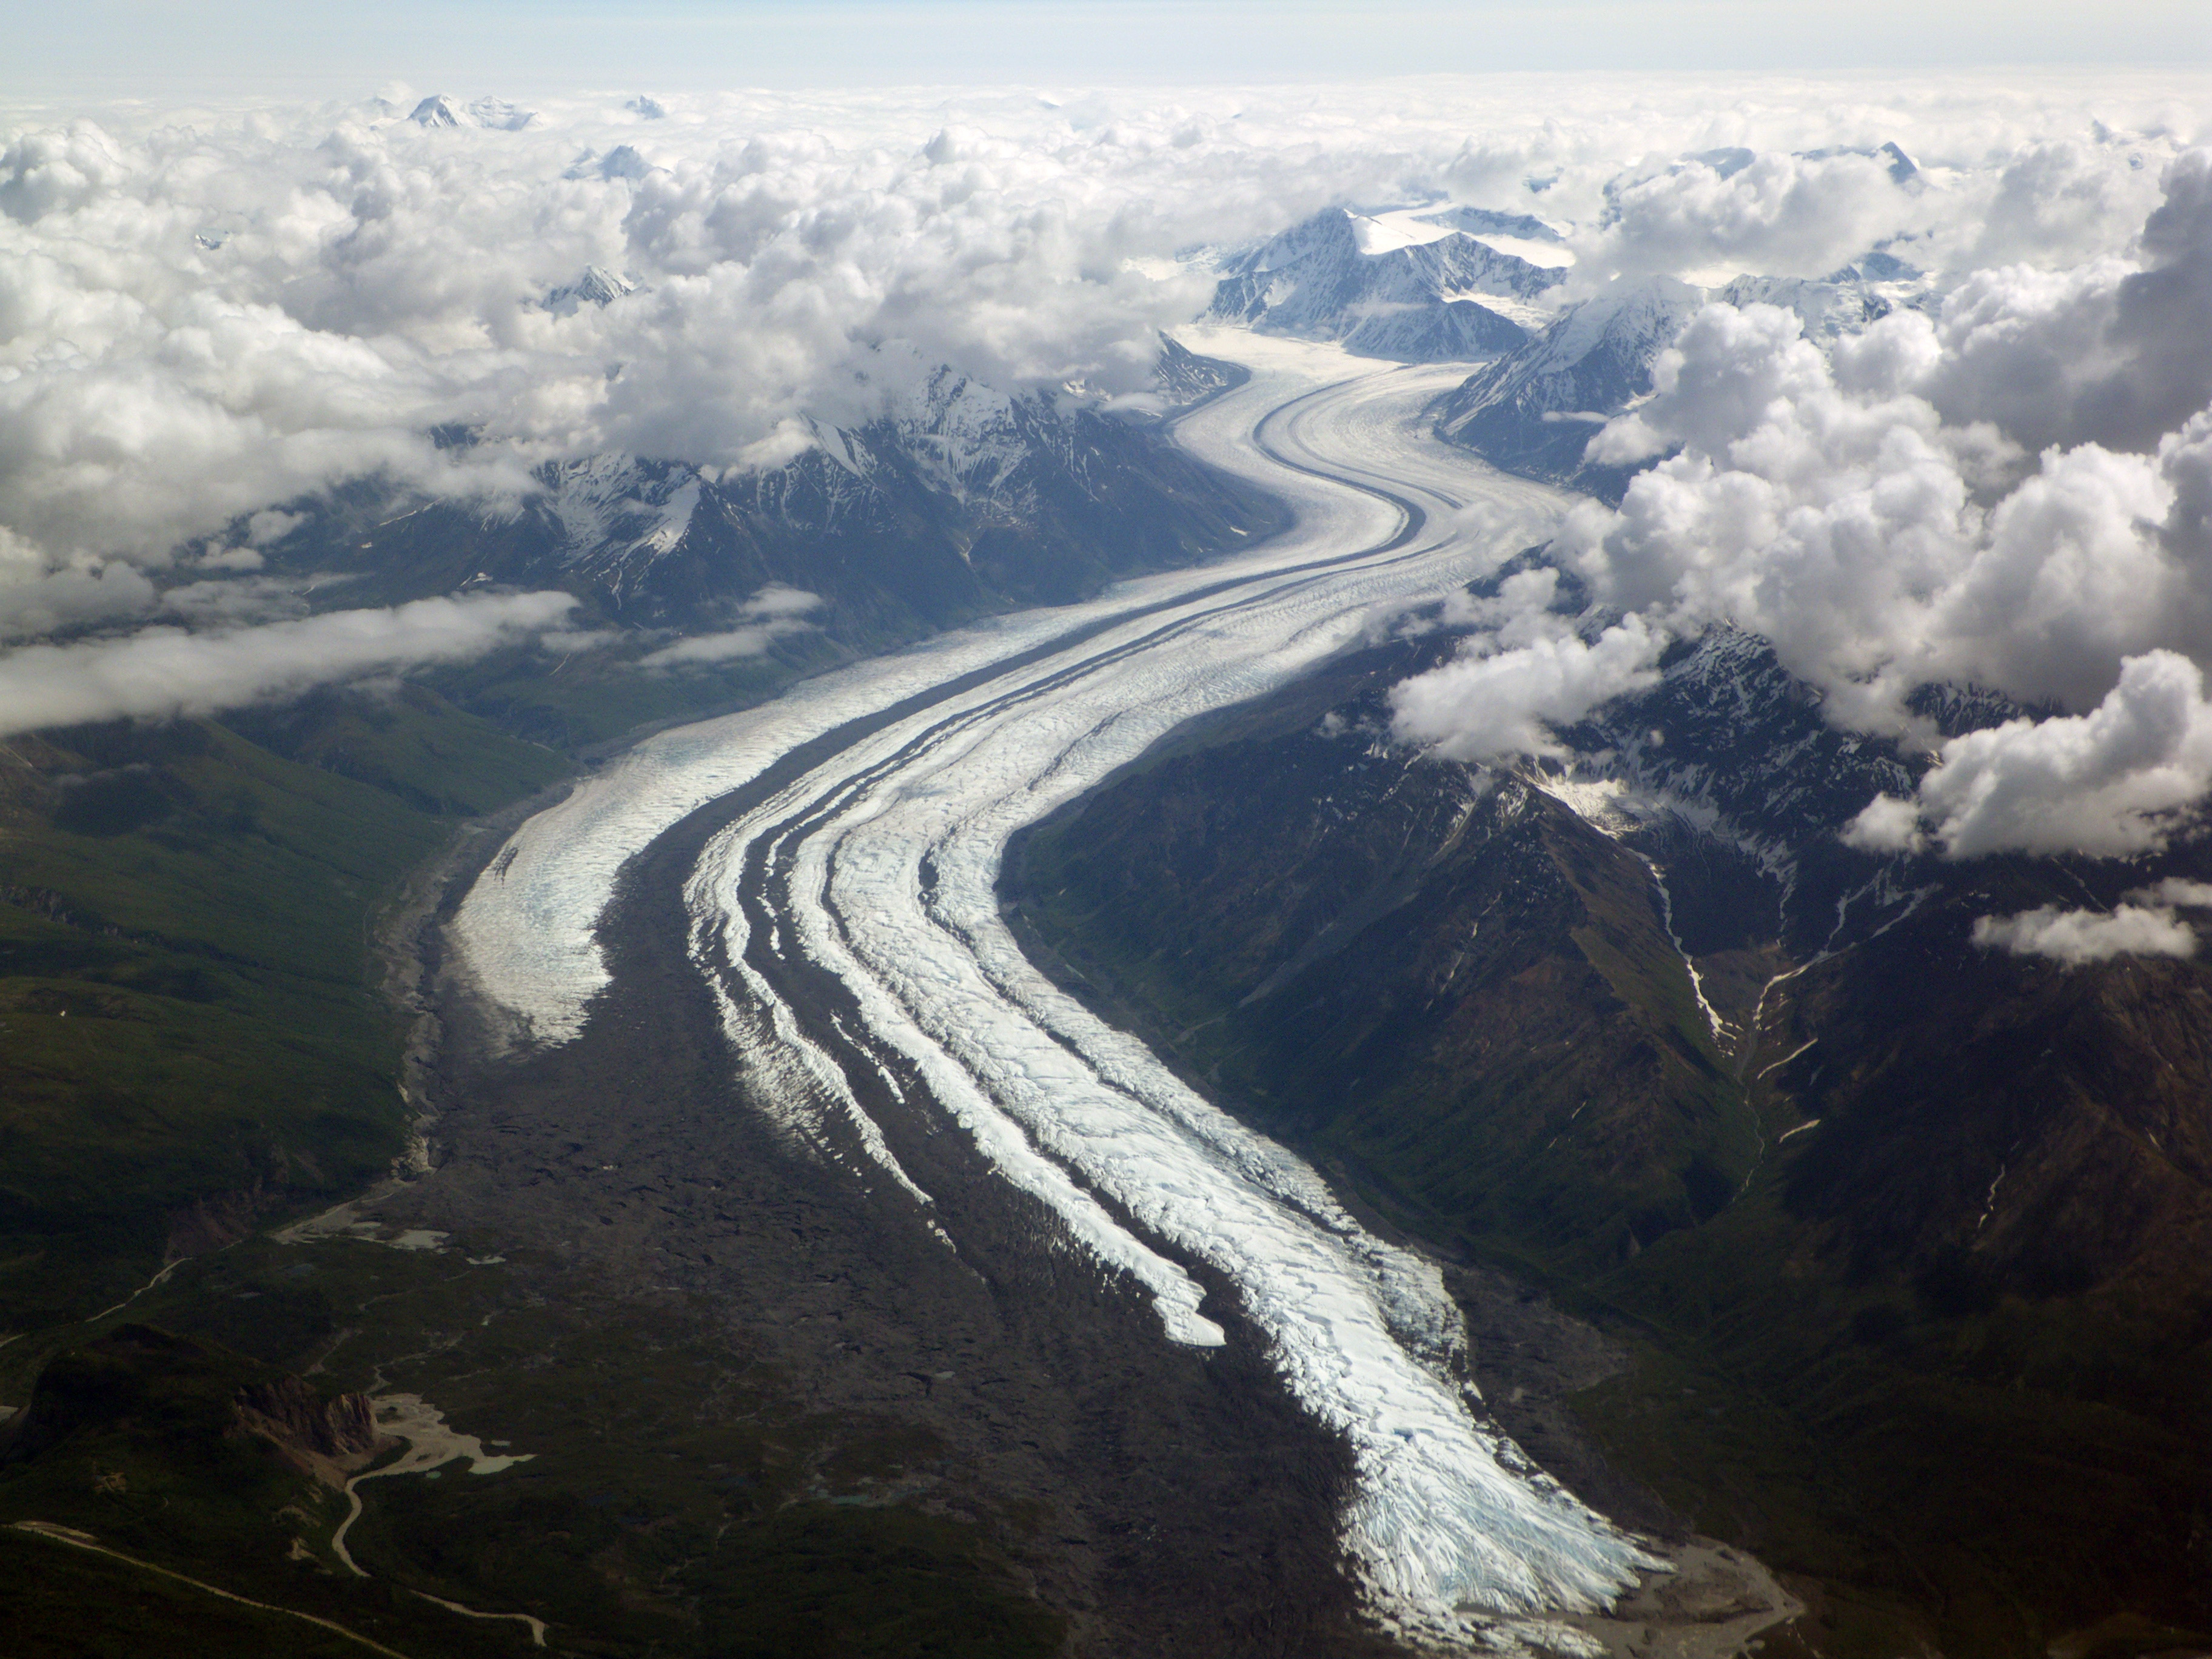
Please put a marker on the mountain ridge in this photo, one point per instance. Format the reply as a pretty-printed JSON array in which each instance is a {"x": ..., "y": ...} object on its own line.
[
  {"x": 1341, "y": 276},
  {"x": 1945, "y": 1293}
]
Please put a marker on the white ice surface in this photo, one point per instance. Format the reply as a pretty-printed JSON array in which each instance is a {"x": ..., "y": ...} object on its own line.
[{"x": 1448, "y": 1519}]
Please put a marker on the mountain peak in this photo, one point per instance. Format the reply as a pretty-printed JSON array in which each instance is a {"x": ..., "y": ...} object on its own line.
[
  {"x": 598, "y": 286},
  {"x": 496, "y": 113},
  {"x": 1385, "y": 288},
  {"x": 623, "y": 161}
]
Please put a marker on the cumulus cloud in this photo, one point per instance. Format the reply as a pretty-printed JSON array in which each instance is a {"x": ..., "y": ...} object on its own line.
[
  {"x": 2111, "y": 350},
  {"x": 234, "y": 600},
  {"x": 781, "y": 600},
  {"x": 202, "y": 318},
  {"x": 2120, "y": 780},
  {"x": 1490, "y": 706},
  {"x": 2176, "y": 892},
  {"x": 204, "y": 321},
  {"x": 51, "y": 601},
  {"x": 2058, "y": 201},
  {"x": 160, "y": 673},
  {"x": 2159, "y": 319},
  {"x": 1887, "y": 824},
  {"x": 1890, "y": 457},
  {"x": 2074, "y": 936},
  {"x": 1818, "y": 501},
  {"x": 1732, "y": 209},
  {"x": 2014, "y": 494},
  {"x": 776, "y": 612}
]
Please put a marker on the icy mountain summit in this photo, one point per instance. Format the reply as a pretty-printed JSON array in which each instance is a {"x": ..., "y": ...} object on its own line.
[
  {"x": 598, "y": 286},
  {"x": 1345, "y": 277},
  {"x": 954, "y": 500},
  {"x": 495, "y": 113},
  {"x": 1534, "y": 409}
]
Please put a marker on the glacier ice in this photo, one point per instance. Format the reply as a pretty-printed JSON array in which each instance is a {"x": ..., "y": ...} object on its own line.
[{"x": 883, "y": 858}]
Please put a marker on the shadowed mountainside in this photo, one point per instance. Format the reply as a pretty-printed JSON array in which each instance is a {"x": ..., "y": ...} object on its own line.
[{"x": 1908, "y": 1237}]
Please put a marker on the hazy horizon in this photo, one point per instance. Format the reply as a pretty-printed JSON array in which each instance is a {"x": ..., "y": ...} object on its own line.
[{"x": 161, "y": 49}]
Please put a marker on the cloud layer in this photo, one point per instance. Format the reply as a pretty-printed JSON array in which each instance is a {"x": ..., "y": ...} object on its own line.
[
  {"x": 206, "y": 315},
  {"x": 773, "y": 613},
  {"x": 203, "y": 318},
  {"x": 2011, "y": 489},
  {"x": 2075, "y": 937},
  {"x": 158, "y": 673}
]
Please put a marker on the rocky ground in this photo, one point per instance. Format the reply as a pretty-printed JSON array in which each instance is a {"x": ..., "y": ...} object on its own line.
[{"x": 1170, "y": 1501}]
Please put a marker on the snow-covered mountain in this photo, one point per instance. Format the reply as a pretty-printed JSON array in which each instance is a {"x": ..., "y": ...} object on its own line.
[
  {"x": 1903, "y": 170},
  {"x": 1535, "y": 409},
  {"x": 961, "y": 499},
  {"x": 959, "y": 471},
  {"x": 623, "y": 161},
  {"x": 1489, "y": 221},
  {"x": 1343, "y": 277},
  {"x": 496, "y": 113},
  {"x": 1844, "y": 301},
  {"x": 1728, "y": 161},
  {"x": 598, "y": 286}
]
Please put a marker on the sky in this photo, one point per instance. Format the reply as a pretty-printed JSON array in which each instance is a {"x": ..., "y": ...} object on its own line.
[{"x": 107, "y": 49}]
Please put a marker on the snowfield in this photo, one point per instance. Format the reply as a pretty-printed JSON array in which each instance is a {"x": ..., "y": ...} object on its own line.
[{"x": 879, "y": 864}]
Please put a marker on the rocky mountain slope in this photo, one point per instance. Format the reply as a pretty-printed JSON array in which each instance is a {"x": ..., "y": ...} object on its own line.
[
  {"x": 961, "y": 502},
  {"x": 1536, "y": 408},
  {"x": 1341, "y": 275},
  {"x": 1908, "y": 1235}
]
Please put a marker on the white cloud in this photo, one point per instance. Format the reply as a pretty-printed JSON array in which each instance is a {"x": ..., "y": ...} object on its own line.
[
  {"x": 270, "y": 525},
  {"x": 1778, "y": 213},
  {"x": 780, "y": 600},
  {"x": 2110, "y": 350},
  {"x": 1829, "y": 521},
  {"x": 752, "y": 640},
  {"x": 159, "y": 673},
  {"x": 1882, "y": 513},
  {"x": 2060, "y": 201},
  {"x": 566, "y": 640},
  {"x": 2074, "y": 936},
  {"x": 2175, "y": 892},
  {"x": 46, "y": 602},
  {"x": 2120, "y": 780},
  {"x": 1887, "y": 824},
  {"x": 1487, "y": 707},
  {"x": 236, "y": 600},
  {"x": 773, "y": 613},
  {"x": 200, "y": 318},
  {"x": 205, "y": 318}
]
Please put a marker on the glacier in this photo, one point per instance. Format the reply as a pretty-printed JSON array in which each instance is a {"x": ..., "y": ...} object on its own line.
[{"x": 878, "y": 862}]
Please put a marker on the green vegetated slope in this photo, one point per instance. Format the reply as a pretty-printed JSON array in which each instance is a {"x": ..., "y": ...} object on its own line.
[
  {"x": 1940, "y": 1354},
  {"x": 672, "y": 1496},
  {"x": 190, "y": 1035},
  {"x": 138, "y": 1441},
  {"x": 193, "y": 1048}
]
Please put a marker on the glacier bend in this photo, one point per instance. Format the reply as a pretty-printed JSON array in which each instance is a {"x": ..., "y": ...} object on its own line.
[{"x": 877, "y": 864}]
